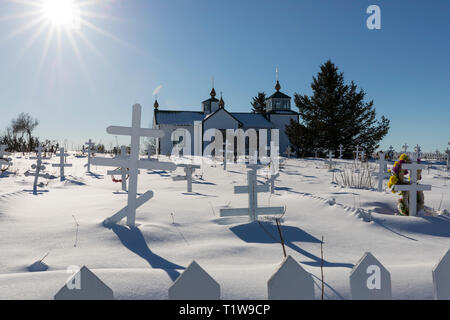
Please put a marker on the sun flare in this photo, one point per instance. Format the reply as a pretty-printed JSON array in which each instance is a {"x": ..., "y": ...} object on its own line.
[{"x": 64, "y": 13}]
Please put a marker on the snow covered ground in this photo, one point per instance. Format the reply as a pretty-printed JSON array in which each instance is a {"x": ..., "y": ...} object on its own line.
[{"x": 176, "y": 227}]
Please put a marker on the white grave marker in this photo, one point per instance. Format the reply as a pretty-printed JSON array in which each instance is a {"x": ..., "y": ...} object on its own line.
[
  {"x": 61, "y": 164},
  {"x": 252, "y": 189},
  {"x": 85, "y": 285},
  {"x": 370, "y": 280},
  {"x": 382, "y": 174},
  {"x": 189, "y": 170},
  {"x": 133, "y": 163},
  {"x": 357, "y": 152},
  {"x": 288, "y": 152},
  {"x": 194, "y": 284},
  {"x": 37, "y": 167},
  {"x": 405, "y": 148},
  {"x": 90, "y": 150},
  {"x": 291, "y": 282},
  {"x": 413, "y": 187},
  {"x": 4, "y": 160},
  {"x": 341, "y": 151},
  {"x": 441, "y": 278},
  {"x": 330, "y": 159},
  {"x": 418, "y": 151}
]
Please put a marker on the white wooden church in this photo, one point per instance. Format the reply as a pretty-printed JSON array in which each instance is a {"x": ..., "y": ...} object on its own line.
[{"x": 213, "y": 114}]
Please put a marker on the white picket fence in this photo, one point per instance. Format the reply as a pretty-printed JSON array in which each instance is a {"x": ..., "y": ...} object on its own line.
[{"x": 369, "y": 280}]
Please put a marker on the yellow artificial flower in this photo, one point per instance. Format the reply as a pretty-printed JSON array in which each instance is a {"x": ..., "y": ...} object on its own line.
[
  {"x": 404, "y": 157},
  {"x": 393, "y": 180}
]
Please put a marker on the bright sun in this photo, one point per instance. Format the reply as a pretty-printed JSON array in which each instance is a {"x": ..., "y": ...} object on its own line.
[{"x": 63, "y": 13}]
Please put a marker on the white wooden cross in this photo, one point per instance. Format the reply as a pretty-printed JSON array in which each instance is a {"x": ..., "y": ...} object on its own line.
[
  {"x": 405, "y": 148},
  {"x": 330, "y": 159},
  {"x": 122, "y": 170},
  {"x": 37, "y": 167},
  {"x": 417, "y": 150},
  {"x": 357, "y": 152},
  {"x": 189, "y": 170},
  {"x": 413, "y": 187},
  {"x": 382, "y": 174},
  {"x": 3, "y": 156},
  {"x": 341, "y": 151},
  {"x": 133, "y": 163},
  {"x": 62, "y": 157},
  {"x": 90, "y": 150},
  {"x": 252, "y": 190}
]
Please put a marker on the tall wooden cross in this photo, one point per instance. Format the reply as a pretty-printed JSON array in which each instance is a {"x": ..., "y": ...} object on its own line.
[
  {"x": 134, "y": 164},
  {"x": 62, "y": 157},
  {"x": 189, "y": 170},
  {"x": 341, "y": 151},
  {"x": 122, "y": 171},
  {"x": 37, "y": 167},
  {"x": 413, "y": 187},
  {"x": 382, "y": 174},
  {"x": 252, "y": 190},
  {"x": 90, "y": 150},
  {"x": 405, "y": 148}
]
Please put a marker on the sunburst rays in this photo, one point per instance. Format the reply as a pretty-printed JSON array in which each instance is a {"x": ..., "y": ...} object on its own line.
[{"x": 31, "y": 18}]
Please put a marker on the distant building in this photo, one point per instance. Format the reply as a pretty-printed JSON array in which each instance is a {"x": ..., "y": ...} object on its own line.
[{"x": 213, "y": 114}]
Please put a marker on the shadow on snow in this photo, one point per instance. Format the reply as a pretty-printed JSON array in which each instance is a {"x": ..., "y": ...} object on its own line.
[
  {"x": 133, "y": 240},
  {"x": 266, "y": 232}
]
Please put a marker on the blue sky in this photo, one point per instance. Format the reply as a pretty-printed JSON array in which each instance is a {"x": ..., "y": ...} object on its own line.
[{"x": 128, "y": 48}]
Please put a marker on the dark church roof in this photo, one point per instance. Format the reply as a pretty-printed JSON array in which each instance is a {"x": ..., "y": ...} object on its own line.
[
  {"x": 187, "y": 118},
  {"x": 279, "y": 95}
]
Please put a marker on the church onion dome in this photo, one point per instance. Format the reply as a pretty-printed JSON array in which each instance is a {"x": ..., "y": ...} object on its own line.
[
  {"x": 277, "y": 86},
  {"x": 213, "y": 93},
  {"x": 156, "y": 104},
  {"x": 221, "y": 103}
]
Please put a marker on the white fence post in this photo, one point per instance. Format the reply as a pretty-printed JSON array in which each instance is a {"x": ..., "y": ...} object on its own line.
[
  {"x": 84, "y": 285},
  {"x": 291, "y": 282},
  {"x": 441, "y": 278},
  {"x": 194, "y": 284},
  {"x": 370, "y": 280}
]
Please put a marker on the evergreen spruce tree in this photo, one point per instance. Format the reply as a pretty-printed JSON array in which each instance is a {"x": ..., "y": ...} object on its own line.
[
  {"x": 335, "y": 114},
  {"x": 259, "y": 103}
]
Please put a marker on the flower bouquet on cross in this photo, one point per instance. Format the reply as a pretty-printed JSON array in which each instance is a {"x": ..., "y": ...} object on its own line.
[{"x": 399, "y": 181}]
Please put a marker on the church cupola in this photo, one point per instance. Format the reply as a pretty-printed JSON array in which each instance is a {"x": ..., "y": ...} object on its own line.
[
  {"x": 212, "y": 104},
  {"x": 278, "y": 101},
  {"x": 221, "y": 102}
]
